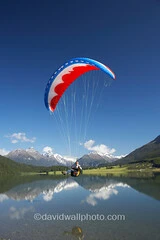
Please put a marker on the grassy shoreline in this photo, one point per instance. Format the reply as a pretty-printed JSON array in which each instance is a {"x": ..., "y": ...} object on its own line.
[
  {"x": 119, "y": 170},
  {"x": 116, "y": 170},
  {"x": 42, "y": 173}
]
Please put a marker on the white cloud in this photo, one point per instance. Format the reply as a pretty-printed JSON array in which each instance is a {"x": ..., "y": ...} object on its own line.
[
  {"x": 104, "y": 193},
  {"x": 14, "y": 141},
  {"x": 20, "y": 137},
  {"x": 3, "y": 152},
  {"x": 19, "y": 213},
  {"x": 47, "y": 150},
  {"x": 70, "y": 158},
  {"x": 121, "y": 156},
  {"x": 89, "y": 144},
  {"x": 50, "y": 151},
  {"x": 3, "y": 197},
  {"x": 48, "y": 195},
  {"x": 101, "y": 149}
]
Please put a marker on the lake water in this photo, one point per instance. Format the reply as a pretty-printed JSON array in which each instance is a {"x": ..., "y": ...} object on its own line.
[{"x": 86, "y": 207}]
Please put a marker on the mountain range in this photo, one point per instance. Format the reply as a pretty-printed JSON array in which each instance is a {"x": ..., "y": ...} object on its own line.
[
  {"x": 32, "y": 157},
  {"x": 148, "y": 152},
  {"x": 94, "y": 159}
]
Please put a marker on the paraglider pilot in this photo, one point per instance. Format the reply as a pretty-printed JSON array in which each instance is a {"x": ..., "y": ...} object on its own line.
[{"x": 75, "y": 170}]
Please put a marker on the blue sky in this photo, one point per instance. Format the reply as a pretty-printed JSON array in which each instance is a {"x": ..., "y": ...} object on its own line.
[{"x": 36, "y": 37}]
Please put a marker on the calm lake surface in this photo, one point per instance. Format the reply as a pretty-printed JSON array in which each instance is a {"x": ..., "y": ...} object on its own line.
[{"x": 99, "y": 207}]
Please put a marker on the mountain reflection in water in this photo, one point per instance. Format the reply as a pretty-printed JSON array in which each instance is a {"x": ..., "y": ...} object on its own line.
[
  {"x": 136, "y": 197},
  {"x": 99, "y": 187}
]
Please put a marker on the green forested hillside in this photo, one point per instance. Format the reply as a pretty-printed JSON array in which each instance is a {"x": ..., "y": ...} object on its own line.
[
  {"x": 149, "y": 152},
  {"x": 8, "y": 166}
]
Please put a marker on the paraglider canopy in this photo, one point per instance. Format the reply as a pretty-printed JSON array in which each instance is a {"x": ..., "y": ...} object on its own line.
[{"x": 67, "y": 74}]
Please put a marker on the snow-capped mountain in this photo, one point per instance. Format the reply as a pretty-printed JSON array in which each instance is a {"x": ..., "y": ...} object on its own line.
[
  {"x": 48, "y": 158},
  {"x": 60, "y": 159},
  {"x": 95, "y": 159},
  {"x": 107, "y": 157},
  {"x": 35, "y": 154},
  {"x": 33, "y": 157},
  {"x": 46, "y": 188}
]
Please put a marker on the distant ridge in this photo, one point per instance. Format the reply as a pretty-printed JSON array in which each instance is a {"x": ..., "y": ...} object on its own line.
[
  {"x": 8, "y": 166},
  {"x": 148, "y": 152},
  {"x": 94, "y": 160},
  {"x": 32, "y": 157}
]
